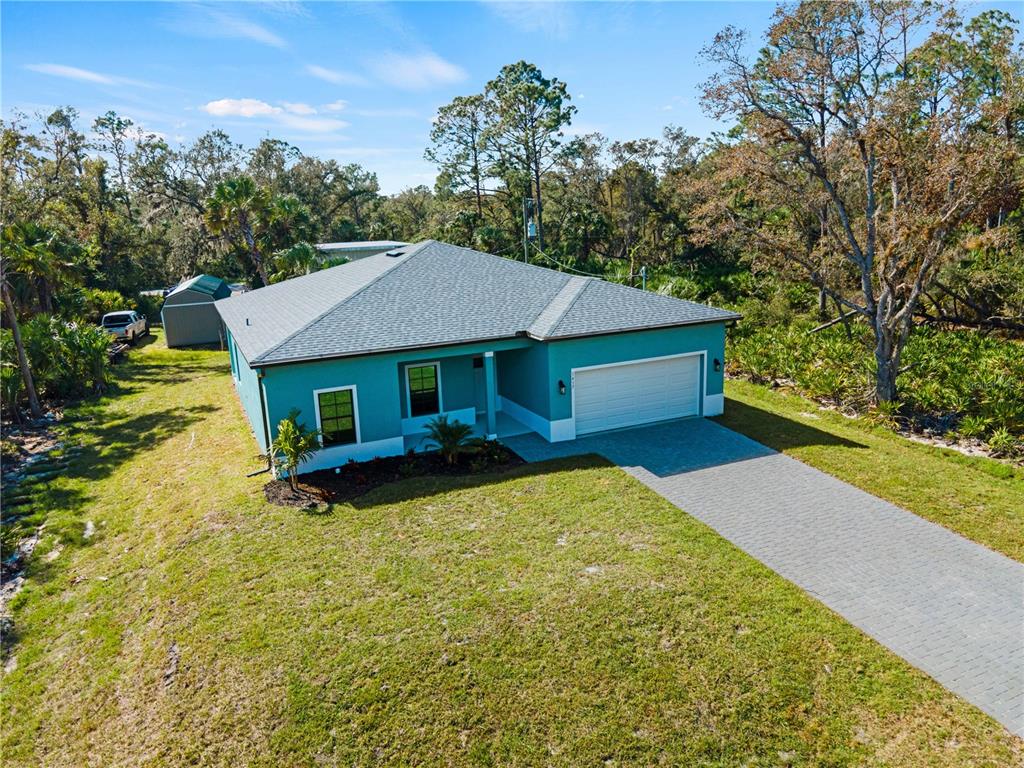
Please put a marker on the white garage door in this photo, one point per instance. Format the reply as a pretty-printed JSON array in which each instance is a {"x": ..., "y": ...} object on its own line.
[{"x": 636, "y": 393}]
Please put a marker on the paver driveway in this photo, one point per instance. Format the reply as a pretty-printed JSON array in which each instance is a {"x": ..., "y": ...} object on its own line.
[{"x": 947, "y": 605}]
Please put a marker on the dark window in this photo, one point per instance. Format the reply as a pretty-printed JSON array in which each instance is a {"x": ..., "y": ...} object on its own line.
[
  {"x": 478, "y": 362},
  {"x": 423, "y": 393},
  {"x": 337, "y": 417}
]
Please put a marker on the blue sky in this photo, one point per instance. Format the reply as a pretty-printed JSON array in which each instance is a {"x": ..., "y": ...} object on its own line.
[{"x": 358, "y": 82}]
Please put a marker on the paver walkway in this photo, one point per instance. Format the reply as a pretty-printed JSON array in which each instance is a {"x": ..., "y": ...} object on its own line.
[{"x": 950, "y": 607}]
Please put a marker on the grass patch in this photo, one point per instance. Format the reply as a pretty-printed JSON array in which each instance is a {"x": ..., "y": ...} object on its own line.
[
  {"x": 979, "y": 498},
  {"x": 556, "y": 614}
]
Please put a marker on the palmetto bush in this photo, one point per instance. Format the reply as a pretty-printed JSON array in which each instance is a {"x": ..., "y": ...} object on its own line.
[
  {"x": 67, "y": 359},
  {"x": 961, "y": 381}
]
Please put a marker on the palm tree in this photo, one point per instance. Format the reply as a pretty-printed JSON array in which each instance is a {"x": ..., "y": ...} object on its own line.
[
  {"x": 451, "y": 438},
  {"x": 294, "y": 444},
  {"x": 237, "y": 208},
  {"x": 15, "y": 259},
  {"x": 300, "y": 259}
]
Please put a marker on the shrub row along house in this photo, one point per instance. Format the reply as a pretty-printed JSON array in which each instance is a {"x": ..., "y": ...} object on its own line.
[{"x": 372, "y": 350}]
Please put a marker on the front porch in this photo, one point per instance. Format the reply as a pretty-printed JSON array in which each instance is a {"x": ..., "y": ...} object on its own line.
[
  {"x": 464, "y": 388},
  {"x": 506, "y": 425}
]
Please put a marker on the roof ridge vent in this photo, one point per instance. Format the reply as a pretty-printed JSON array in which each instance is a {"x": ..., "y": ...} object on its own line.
[
  {"x": 395, "y": 252},
  {"x": 548, "y": 318}
]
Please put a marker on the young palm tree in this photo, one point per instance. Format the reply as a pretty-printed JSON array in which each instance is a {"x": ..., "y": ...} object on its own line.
[
  {"x": 237, "y": 208},
  {"x": 451, "y": 437},
  {"x": 294, "y": 444}
]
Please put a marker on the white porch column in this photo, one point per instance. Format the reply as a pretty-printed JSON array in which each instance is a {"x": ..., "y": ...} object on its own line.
[{"x": 491, "y": 379}]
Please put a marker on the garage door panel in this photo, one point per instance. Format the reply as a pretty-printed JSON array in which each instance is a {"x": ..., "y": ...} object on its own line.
[{"x": 636, "y": 393}]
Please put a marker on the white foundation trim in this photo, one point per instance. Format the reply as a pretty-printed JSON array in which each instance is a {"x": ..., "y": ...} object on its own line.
[
  {"x": 714, "y": 405},
  {"x": 563, "y": 429},
  {"x": 418, "y": 424},
  {"x": 336, "y": 455},
  {"x": 538, "y": 424}
]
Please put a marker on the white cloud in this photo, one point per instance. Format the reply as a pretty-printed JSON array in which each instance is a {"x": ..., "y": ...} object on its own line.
[
  {"x": 311, "y": 124},
  {"x": 335, "y": 76},
  {"x": 83, "y": 75},
  {"x": 416, "y": 71},
  {"x": 203, "y": 21},
  {"x": 298, "y": 108},
  {"x": 551, "y": 18},
  {"x": 335, "y": 106},
  {"x": 240, "y": 108},
  {"x": 296, "y": 116}
]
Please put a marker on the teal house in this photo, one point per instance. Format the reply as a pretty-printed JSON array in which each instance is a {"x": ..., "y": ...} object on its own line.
[{"x": 372, "y": 350}]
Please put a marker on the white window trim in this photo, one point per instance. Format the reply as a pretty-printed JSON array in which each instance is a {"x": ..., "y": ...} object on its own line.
[
  {"x": 355, "y": 414},
  {"x": 440, "y": 390}
]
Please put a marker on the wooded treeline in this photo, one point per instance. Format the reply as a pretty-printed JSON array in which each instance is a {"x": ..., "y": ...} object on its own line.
[{"x": 874, "y": 173}]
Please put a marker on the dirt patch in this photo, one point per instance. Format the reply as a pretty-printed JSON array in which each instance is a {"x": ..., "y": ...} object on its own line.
[
  {"x": 354, "y": 479},
  {"x": 24, "y": 445}
]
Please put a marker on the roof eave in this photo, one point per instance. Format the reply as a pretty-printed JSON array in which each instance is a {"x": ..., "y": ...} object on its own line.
[
  {"x": 270, "y": 362},
  {"x": 731, "y": 317}
]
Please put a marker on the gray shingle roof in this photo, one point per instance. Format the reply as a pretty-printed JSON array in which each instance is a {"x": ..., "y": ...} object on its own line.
[{"x": 436, "y": 294}]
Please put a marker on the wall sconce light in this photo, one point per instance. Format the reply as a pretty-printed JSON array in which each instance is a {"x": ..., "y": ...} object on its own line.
[
  {"x": 561, "y": 387},
  {"x": 718, "y": 365}
]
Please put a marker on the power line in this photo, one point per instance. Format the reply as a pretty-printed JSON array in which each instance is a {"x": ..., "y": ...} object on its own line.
[{"x": 567, "y": 268}]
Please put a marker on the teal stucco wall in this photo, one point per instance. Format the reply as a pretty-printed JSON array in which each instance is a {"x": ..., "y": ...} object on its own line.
[
  {"x": 248, "y": 386},
  {"x": 458, "y": 386},
  {"x": 563, "y": 356},
  {"x": 380, "y": 385},
  {"x": 528, "y": 373},
  {"x": 522, "y": 374}
]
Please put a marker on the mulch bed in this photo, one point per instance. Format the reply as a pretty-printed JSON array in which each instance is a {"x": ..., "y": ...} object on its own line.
[{"x": 328, "y": 486}]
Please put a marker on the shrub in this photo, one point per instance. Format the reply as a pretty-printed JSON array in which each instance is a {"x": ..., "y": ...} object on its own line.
[
  {"x": 67, "y": 359},
  {"x": 825, "y": 380},
  {"x": 10, "y": 374},
  {"x": 97, "y": 302},
  {"x": 452, "y": 438},
  {"x": 150, "y": 307},
  {"x": 1002, "y": 443},
  {"x": 973, "y": 426},
  {"x": 885, "y": 414},
  {"x": 947, "y": 376}
]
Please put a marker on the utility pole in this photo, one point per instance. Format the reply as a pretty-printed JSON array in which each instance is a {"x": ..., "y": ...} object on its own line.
[
  {"x": 643, "y": 277},
  {"x": 529, "y": 228}
]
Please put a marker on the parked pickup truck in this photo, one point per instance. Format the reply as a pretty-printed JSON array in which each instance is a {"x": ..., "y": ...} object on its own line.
[{"x": 126, "y": 326}]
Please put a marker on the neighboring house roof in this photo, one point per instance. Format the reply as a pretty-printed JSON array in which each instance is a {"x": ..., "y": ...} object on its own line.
[
  {"x": 361, "y": 245},
  {"x": 208, "y": 284},
  {"x": 435, "y": 294}
]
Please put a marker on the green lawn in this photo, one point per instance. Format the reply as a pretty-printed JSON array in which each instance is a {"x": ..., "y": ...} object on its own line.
[
  {"x": 979, "y": 498},
  {"x": 561, "y": 614}
]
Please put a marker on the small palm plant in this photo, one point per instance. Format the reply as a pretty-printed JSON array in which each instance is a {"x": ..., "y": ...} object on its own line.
[
  {"x": 294, "y": 444},
  {"x": 452, "y": 438}
]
